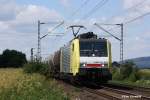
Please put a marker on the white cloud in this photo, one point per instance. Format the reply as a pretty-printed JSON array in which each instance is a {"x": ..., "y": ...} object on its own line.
[
  {"x": 19, "y": 24},
  {"x": 131, "y": 10},
  {"x": 130, "y": 3},
  {"x": 65, "y": 2},
  {"x": 140, "y": 6},
  {"x": 33, "y": 13}
]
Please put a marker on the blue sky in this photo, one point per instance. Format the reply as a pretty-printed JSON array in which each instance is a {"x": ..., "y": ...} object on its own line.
[{"x": 18, "y": 22}]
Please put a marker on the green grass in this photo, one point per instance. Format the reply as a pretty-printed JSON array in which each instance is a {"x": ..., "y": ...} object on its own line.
[{"x": 22, "y": 86}]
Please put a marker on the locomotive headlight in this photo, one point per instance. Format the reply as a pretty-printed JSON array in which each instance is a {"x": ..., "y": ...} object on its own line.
[
  {"x": 103, "y": 65},
  {"x": 84, "y": 65}
]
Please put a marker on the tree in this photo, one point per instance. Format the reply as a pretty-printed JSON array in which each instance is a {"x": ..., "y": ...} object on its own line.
[{"x": 12, "y": 58}]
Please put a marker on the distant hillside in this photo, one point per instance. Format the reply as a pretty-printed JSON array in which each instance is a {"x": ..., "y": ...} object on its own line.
[{"x": 141, "y": 62}]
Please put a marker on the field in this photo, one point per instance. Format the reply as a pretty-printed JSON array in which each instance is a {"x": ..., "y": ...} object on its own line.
[{"x": 17, "y": 85}]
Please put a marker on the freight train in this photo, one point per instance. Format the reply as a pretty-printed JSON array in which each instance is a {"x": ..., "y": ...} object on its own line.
[{"x": 84, "y": 58}]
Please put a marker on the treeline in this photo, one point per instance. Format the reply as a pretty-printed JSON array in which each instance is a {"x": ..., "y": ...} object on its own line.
[{"x": 12, "y": 58}]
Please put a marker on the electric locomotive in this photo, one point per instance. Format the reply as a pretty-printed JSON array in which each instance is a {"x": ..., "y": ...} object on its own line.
[{"x": 85, "y": 58}]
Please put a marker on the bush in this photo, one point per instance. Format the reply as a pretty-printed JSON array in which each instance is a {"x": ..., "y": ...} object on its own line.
[
  {"x": 117, "y": 75},
  {"x": 35, "y": 67},
  {"x": 127, "y": 71},
  {"x": 132, "y": 77}
]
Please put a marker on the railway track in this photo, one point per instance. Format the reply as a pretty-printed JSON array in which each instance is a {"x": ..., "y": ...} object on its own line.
[
  {"x": 105, "y": 95},
  {"x": 116, "y": 94},
  {"x": 107, "y": 92},
  {"x": 132, "y": 89},
  {"x": 126, "y": 93},
  {"x": 137, "y": 88}
]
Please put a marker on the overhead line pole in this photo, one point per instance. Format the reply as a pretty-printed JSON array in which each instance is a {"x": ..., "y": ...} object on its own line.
[
  {"x": 120, "y": 39},
  {"x": 121, "y": 44},
  {"x": 52, "y": 29},
  {"x": 39, "y": 43},
  {"x": 39, "y": 58}
]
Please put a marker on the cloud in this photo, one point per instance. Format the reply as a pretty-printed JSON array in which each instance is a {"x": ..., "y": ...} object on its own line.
[
  {"x": 140, "y": 6},
  {"x": 19, "y": 24},
  {"x": 65, "y": 3},
  {"x": 7, "y": 10},
  {"x": 33, "y": 13},
  {"x": 130, "y": 3},
  {"x": 131, "y": 10},
  {"x": 26, "y": 19}
]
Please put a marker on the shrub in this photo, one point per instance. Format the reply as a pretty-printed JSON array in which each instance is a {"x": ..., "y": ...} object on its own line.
[
  {"x": 114, "y": 70},
  {"x": 117, "y": 75},
  {"x": 127, "y": 72},
  {"x": 126, "y": 69},
  {"x": 132, "y": 77},
  {"x": 35, "y": 67}
]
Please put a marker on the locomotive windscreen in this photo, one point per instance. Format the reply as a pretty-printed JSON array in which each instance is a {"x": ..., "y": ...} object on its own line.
[{"x": 96, "y": 48}]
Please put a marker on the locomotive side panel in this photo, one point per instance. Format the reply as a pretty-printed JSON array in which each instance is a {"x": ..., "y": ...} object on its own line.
[
  {"x": 65, "y": 59},
  {"x": 56, "y": 61}
]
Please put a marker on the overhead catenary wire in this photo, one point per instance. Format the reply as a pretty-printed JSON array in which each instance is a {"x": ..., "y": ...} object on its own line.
[
  {"x": 81, "y": 6},
  {"x": 131, "y": 20},
  {"x": 96, "y": 7},
  {"x": 128, "y": 9},
  {"x": 107, "y": 31},
  {"x": 53, "y": 29},
  {"x": 124, "y": 23},
  {"x": 74, "y": 13},
  {"x": 136, "y": 18}
]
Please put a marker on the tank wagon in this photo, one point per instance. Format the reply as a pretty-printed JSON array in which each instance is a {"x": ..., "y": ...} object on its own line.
[{"x": 85, "y": 58}]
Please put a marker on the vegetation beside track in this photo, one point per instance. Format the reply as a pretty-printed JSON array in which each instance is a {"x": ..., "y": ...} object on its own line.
[
  {"x": 35, "y": 67},
  {"x": 129, "y": 74},
  {"x": 139, "y": 83},
  {"x": 17, "y": 85}
]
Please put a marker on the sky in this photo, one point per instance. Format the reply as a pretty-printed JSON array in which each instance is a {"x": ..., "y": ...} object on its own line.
[{"x": 18, "y": 24}]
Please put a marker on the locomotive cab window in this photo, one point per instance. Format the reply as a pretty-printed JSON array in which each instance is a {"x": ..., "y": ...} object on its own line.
[{"x": 96, "y": 48}]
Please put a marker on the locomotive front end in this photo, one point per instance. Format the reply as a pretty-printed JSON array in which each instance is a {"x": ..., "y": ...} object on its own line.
[{"x": 95, "y": 60}]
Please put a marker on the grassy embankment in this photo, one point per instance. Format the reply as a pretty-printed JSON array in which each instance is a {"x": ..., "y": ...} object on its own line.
[{"x": 17, "y": 85}]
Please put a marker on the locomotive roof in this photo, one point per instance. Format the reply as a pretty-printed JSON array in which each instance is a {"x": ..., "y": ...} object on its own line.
[
  {"x": 99, "y": 39},
  {"x": 89, "y": 36}
]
